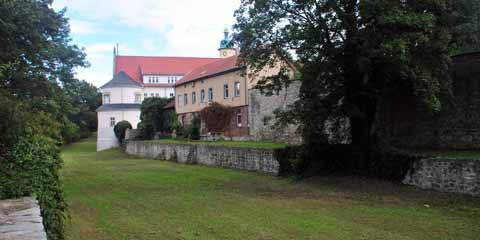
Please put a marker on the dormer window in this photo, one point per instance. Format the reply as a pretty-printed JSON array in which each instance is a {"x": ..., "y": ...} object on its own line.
[{"x": 106, "y": 98}]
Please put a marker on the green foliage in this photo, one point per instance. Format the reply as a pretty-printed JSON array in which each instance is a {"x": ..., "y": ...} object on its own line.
[
  {"x": 30, "y": 161},
  {"x": 351, "y": 54},
  {"x": 291, "y": 160},
  {"x": 42, "y": 105},
  {"x": 120, "y": 129},
  {"x": 195, "y": 129},
  {"x": 154, "y": 118}
]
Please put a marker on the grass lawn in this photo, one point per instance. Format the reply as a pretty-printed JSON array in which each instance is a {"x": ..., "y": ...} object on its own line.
[
  {"x": 114, "y": 196},
  {"x": 455, "y": 154},
  {"x": 246, "y": 144}
]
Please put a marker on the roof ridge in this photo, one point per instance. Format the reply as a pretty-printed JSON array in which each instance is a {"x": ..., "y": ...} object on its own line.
[{"x": 145, "y": 56}]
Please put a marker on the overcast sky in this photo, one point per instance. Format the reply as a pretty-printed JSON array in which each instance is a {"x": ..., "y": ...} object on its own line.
[{"x": 188, "y": 28}]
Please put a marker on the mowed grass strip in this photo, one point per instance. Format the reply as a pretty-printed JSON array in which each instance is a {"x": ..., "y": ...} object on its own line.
[
  {"x": 241, "y": 144},
  {"x": 115, "y": 196}
]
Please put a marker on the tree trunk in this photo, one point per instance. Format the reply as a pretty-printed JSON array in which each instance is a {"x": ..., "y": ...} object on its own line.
[{"x": 363, "y": 133}]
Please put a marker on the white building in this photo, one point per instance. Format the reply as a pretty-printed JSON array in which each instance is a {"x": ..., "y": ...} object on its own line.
[{"x": 136, "y": 78}]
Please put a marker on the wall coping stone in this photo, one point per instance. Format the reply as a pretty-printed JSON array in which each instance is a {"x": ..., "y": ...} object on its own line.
[{"x": 20, "y": 219}]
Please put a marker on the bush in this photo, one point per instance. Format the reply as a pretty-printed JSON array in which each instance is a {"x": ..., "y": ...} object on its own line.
[
  {"x": 120, "y": 129},
  {"x": 291, "y": 160},
  {"x": 216, "y": 117},
  {"x": 30, "y": 161},
  {"x": 154, "y": 118}
]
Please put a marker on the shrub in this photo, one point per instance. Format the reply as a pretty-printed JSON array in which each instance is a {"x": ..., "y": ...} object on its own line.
[
  {"x": 154, "y": 118},
  {"x": 120, "y": 129},
  {"x": 30, "y": 161},
  {"x": 194, "y": 131},
  {"x": 216, "y": 117},
  {"x": 291, "y": 160}
]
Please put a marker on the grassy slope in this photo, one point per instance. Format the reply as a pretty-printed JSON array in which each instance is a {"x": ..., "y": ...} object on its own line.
[
  {"x": 113, "y": 196},
  {"x": 248, "y": 144}
]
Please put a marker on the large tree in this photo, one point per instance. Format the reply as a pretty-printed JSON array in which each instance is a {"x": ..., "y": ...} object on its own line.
[
  {"x": 41, "y": 104},
  {"x": 350, "y": 54}
]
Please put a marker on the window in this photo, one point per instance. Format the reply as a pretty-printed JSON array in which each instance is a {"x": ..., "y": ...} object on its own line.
[
  {"x": 225, "y": 91},
  {"x": 106, "y": 98},
  {"x": 112, "y": 122},
  {"x": 237, "y": 89},
  {"x": 171, "y": 94},
  {"x": 179, "y": 100},
  {"x": 156, "y": 79},
  {"x": 138, "y": 98},
  {"x": 202, "y": 96},
  {"x": 185, "y": 99},
  {"x": 145, "y": 95},
  {"x": 157, "y": 94},
  {"x": 194, "y": 97},
  {"x": 239, "y": 119},
  {"x": 210, "y": 94},
  {"x": 152, "y": 95}
]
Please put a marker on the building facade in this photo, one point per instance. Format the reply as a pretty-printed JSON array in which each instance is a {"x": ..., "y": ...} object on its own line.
[
  {"x": 228, "y": 83},
  {"x": 135, "y": 79}
]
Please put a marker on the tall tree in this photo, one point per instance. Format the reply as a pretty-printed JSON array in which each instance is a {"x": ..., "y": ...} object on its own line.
[
  {"x": 37, "y": 104},
  {"x": 350, "y": 54}
]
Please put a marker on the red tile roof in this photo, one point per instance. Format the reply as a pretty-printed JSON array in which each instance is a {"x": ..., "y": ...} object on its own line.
[
  {"x": 134, "y": 66},
  {"x": 210, "y": 69}
]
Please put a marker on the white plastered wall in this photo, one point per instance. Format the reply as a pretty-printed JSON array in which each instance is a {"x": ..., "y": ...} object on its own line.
[{"x": 105, "y": 136}]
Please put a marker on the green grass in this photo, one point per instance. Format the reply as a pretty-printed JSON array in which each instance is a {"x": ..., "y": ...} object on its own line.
[
  {"x": 245, "y": 144},
  {"x": 455, "y": 154},
  {"x": 115, "y": 196}
]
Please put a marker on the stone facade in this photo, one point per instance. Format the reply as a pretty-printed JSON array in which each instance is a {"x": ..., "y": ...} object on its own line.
[
  {"x": 253, "y": 159},
  {"x": 405, "y": 123},
  {"x": 446, "y": 175},
  {"x": 20, "y": 219},
  {"x": 262, "y": 118}
]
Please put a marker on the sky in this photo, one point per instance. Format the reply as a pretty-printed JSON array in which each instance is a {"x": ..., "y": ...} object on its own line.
[{"x": 186, "y": 28}]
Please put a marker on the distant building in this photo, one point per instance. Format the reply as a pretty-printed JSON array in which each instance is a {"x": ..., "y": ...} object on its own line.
[
  {"x": 226, "y": 82},
  {"x": 136, "y": 78}
]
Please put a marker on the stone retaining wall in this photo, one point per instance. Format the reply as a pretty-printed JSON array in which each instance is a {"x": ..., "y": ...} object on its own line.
[
  {"x": 20, "y": 220},
  {"x": 446, "y": 175},
  {"x": 253, "y": 159}
]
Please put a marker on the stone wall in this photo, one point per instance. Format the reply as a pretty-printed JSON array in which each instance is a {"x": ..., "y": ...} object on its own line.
[
  {"x": 405, "y": 123},
  {"x": 446, "y": 175},
  {"x": 262, "y": 118},
  {"x": 20, "y": 220},
  {"x": 253, "y": 159}
]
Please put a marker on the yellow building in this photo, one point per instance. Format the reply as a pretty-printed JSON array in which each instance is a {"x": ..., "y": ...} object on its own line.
[{"x": 223, "y": 81}]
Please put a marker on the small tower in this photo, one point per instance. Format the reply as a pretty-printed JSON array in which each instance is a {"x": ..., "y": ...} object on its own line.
[{"x": 226, "y": 46}]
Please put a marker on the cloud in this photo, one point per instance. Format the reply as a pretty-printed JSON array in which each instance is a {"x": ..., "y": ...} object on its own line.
[
  {"x": 82, "y": 27},
  {"x": 183, "y": 27}
]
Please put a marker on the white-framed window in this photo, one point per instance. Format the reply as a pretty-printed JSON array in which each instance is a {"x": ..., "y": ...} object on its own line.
[
  {"x": 225, "y": 91},
  {"x": 239, "y": 119},
  {"x": 106, "y": 98},
  {"x": 152, "y": 95},
  {"x": 156, "y": 79},
  {"x": 185, "y": 99},
  {"x": 194, "y": 97},
  {"x": 138, "y": 98},
  {"x": 237, "y": 89},
  {"x": 202, "y": 96},
  {"x": 145, "y": 95},
  {"x": 171, "y": 94},
  {"x": 210, "y": 94},
  {"x": 112, "y": 122}
]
